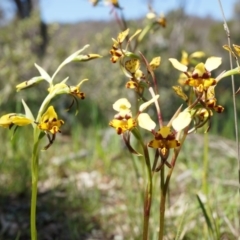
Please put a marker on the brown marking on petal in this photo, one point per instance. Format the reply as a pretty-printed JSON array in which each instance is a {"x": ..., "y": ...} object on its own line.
[
  {"x": 119, "y": 130},
  {"x": 114, "y": 48},
  {"x": 195, "y": 76},
  {"x": 158, "y": 136},
  {"x": 55, "y": 129},
  {"x": 206, "y": 75},
  {"x": 219, "y": 109},
  {"x": 114, "y": 59},
  {"x": 128, "y": 85},
  {"x": 82, "y": 95}
]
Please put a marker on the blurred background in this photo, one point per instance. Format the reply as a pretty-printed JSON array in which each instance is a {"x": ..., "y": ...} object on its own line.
[
  {"x": 46, "y": 32},
  {"x": 80, "y": 192}
]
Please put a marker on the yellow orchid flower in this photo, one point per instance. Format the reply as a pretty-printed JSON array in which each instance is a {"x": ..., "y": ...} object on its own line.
[
  {"x": 200, "y": 78},
  {"x": 49, "y": 121},
  {"x": 210, "y": 100},
  {"x": 63, "y": 88},
  {"x": 75, "y": 90},
  {"x": 164, "y": 140},
  {"x": 10, "y": 119},
  {"x": 123, "y": 125}
]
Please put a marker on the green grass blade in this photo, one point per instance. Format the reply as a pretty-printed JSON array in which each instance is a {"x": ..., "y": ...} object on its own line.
[
  {"x": 205, "y": 214},
  {"x": 180, "y": 227}
]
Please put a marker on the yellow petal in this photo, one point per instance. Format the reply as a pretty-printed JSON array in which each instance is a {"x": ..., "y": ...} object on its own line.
[
  {"x": 213, "y": 63},
  {"x": 150, "y": 15},
  {"x": 165, "y": 131},
  {"x": 82, "y": 81},
  {"x": 144, "y": 121},
  {"x": 131, "y": 84},
  {"x": 178, "y": 90},
  {"x": 29, "y": 83},
  {"x": 85, "y": 58},
  {"x": 121, "y": 104},
  {"x": 132, "y": 65},
  {"x": 156, "y": 144},
  {"x": 182, "y": 78},
  {"x": 21, "y": 121},
  {"x": 155, "y": 63},
  {"x": 236, "y": 49},
  {"x": 122, "y": 126},
  {"x": 5, "y": 120},
  {"x": 203, "y": 113},
  {"x": 121, "y": 36},
  {"x": 226, "y": 47},
  {"x": 172, "y": 144},
  {"x": 184, "y": 59},
  {"x": 199, "y": 70},
  {"x": 49, "y": 121},
  {"x": 13, "y": 118},
  {"x": 179, "y": 66},
  {"x": 146, "y": 104},
  {"x": 209, "y": 82},
  {"x": 198, "y": 54},
  {"x": 50, "y": 114},
  {"x": 181, "y": 121},
  {"x": 59, "y": 88}
]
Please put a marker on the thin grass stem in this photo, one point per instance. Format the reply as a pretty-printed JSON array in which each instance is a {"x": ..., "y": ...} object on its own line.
[
  {"x": 205, "y": 164},
  {"x": 34, "y": 172},
  {"x": 148, "y": 194},
  {"x": 234, "y": 102}
]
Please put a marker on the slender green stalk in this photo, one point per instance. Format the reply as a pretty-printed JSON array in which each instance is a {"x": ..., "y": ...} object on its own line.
[
  {"x": 234, "y": 103},
  {"x": 166, "y": 185},
  {"x": 205, "y": 165},
  {"x": 148, "y": 191},
  {"x": 162, "y": 203},
  {"x": 34, "y": 172},
  {"x": 148, "y": 194}
]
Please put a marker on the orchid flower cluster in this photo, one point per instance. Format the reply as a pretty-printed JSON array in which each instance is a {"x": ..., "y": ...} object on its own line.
[
  {"x": 46, "y": 123},
  {"x": 138, "y": 80},
  {"x": 47, "y": 119},
  {"x": 199, "y": 81},
  {"x": 202, "y": 85},
  {"x": 198, "y": 94}
]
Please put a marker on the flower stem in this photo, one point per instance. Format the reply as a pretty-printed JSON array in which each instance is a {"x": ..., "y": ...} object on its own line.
[
  {"x": 148, "y": 194},
  {"x": 162, "y": 203},
  {"x": 34, "y": 172},
  {"x": 165, "y": 185},
  {"x": 205, "y": 165}
]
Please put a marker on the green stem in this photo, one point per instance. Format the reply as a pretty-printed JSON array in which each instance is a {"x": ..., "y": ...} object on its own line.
[
  {"x": 164, "y": 186},
  {"x": 162, "y": 202},
  {"x": 34, "y": 172},
  {"x": 148, "y": 194},
  {"x": 205, "y": 165}
]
